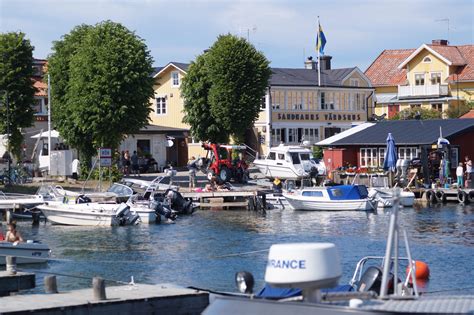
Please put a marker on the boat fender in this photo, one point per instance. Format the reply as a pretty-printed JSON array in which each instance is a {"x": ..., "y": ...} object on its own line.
[
  {"x": 470, "y": 196},
  {"x": 440, "y": 196},
  {"x": 462, "y": 197},
  {"x": 430, "y": 196},
  {"x": 422, "y": 270}
]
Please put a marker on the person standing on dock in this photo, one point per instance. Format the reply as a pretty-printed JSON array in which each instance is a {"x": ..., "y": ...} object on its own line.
[
  {"x": 192, "y": 166},
  {"x": 460, "y": 175},
  {"x": 135, "y": 164},
  {"x": 469, "y": 173}
]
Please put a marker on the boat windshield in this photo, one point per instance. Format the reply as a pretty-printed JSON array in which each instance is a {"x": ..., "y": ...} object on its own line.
[
  {"x": 295, "y": 157},
  {"x": 304, "y": 156}
]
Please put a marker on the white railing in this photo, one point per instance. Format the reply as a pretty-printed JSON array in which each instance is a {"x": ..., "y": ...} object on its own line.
[{"x": 422, "y": 90}]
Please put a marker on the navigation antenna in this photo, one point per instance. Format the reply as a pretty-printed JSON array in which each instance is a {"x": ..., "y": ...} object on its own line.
[{"x": 444, "y": 20}]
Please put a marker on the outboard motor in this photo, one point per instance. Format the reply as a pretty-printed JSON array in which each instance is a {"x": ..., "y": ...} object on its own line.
[
  {"x": 83, "y": 199},
  {"x": 125, "y": 216},
  {"x": 371, "y": 280},
  {"x": 178, "y": 203},
  {"x": 162, "y": 209}
]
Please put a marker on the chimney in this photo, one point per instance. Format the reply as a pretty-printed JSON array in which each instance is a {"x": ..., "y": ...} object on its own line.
[
  {"x": 439, "y": 42},
  {"x": 310, "y": 63},
  {"x": 325, "y": 62}
]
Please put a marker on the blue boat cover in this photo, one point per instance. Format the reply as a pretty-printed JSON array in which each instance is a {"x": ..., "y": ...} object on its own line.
[
  {"x": 269, "y": 292},
  {"x": 347, "y": 192}
]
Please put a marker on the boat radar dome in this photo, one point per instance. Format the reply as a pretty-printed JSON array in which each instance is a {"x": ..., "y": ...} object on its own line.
[{"x": 303, "y": 265}]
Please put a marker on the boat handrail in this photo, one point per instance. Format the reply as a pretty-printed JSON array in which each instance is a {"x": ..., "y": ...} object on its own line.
[{"x": 360, "y": 266}]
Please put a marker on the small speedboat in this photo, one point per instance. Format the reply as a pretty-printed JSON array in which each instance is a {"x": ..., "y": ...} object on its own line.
[
  {"x": 13, "y": 200},
  {"x": 331, "y": 198},
  {"x": 407, "y": 198},
  {"x": 29, "y": 252}
]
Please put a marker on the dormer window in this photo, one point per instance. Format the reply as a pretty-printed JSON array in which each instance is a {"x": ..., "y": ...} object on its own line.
[
  {"x": 175, "y": 78},
  {"x": 427, "y": 60}
]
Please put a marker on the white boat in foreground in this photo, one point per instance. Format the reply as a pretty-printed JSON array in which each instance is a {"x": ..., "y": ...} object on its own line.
[
  {"x": 331, "y": 198},
  {"x": 26, "y": 253},
  {"x": 13, "y": 201},
  {"x": 94, "y": 214}
]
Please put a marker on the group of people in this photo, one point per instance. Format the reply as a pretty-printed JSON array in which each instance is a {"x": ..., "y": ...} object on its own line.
[
  {"x": 465, "y": 177},
  {"x": 12, "y": 235},
  {"x": 129, "y": 164}
]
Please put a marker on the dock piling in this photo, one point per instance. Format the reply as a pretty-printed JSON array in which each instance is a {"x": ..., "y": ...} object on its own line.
[
  {"x": 50, "y": 285},
  {"x": 11, "y": 264},
  {"x": 98, "y": 287}
]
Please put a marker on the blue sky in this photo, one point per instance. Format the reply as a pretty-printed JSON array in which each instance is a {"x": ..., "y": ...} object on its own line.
[{"x": 284, "y": 30}]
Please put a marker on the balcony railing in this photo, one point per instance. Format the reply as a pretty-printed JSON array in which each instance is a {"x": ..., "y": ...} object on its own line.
[{"x": 436, "y": 90}]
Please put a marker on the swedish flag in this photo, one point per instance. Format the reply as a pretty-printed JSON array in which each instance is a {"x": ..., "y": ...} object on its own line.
[{"x": 320, "y": 41}]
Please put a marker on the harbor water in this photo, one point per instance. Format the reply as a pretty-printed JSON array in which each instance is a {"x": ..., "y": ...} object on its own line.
[{"x": 208, "y": 248}]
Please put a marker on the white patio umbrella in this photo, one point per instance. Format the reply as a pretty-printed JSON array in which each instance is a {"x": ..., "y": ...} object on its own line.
[{"x": 45, "y": 134}]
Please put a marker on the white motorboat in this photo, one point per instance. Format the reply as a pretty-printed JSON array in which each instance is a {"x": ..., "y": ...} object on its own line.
[
  {"x": 93, "y": 214},
  {"x": 27, "y": 253},
  {"x": 407, "y": 198},
  {"x": 331, "y": 198},
  {"x": 287, "y": 162},
  {"x": 14, "y": 201}
]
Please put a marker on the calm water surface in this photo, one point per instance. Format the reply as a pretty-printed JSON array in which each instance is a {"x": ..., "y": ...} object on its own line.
[{"x": 190, "y": 252}]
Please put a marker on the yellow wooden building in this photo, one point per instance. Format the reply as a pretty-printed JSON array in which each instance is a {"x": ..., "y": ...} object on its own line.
[
  {"x": 436, "y": 76},
  {"x": 295, "y": 108}
]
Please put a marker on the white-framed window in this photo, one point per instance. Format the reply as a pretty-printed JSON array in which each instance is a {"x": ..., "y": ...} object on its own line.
[
  {"x": 40, "y": 106},
  {"x": 354, "y": 82},
  {"x": 381, "y": 156},
  {"x": 322, "y": 101},
  {"x": 435, "y": 78},
  {"x": 415, "y": 106},
  {"x": 263, "y": 103},
  {"x": 368, "y": 157},
  {"x": 192, "y": 140},
  {"x": 175, "y": 78},
  {"x": 311, "y": 134},
  {"x": 426, "y": 60},
  {"x": 277, "y": 98},
  {"x": 293, "y": 135},
  {"x": 160, "y": 105},
  {"x": 408, "y": 153},
  {"x": 278, "y": 136},
  {"x": 419, "y": 79},
  {"x": 437, "y": 106}
]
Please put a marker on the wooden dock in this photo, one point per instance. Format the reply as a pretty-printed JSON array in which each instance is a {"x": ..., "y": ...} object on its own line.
[
  {"x": 12, "y": 283},
  {"x": 128, "y": 299},
  {"x": 235, "y": 199}
]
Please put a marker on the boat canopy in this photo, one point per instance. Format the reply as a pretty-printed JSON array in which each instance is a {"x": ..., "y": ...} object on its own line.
[{"x": 347, "y": 192}]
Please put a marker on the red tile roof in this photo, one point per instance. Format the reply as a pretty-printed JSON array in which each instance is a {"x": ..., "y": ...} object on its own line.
[
  {"x": 469, "y": 114},
  {"x": 384, "y": 70},
  {"x": 465, "y": 73},
  {"x": 451, "y": 53}
]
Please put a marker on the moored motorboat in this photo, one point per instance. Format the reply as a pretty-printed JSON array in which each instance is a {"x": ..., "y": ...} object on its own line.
[
  {"x": 287, "y": 162},
  {"x": 331, "y": 198},
  {"x": 407, "y": 198},
  {"x": 13, "y": 200},
  {"x": 26, "y": 252}
]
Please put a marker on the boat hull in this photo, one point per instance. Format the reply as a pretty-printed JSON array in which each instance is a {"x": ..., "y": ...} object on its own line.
[
  {"x": 82, "y": 214},
  {"x": 26, "y": 253},
  {"x": 277, "y": 171},
  {"x": 407, "y": 198},
  {"x": 309, "y": 204}
]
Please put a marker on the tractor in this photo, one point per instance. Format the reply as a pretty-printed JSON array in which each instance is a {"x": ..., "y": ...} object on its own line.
[{"x": 220, "y": 163}]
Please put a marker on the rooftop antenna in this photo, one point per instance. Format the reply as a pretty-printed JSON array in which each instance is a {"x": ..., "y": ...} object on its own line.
[{"x": 444, "y": 20}]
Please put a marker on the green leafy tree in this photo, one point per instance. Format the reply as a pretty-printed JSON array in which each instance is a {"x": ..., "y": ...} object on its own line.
[
  {"x": 224, "y": 88},
  {"x": 458, "y": 111},
  {"x": 16, "y": 87},
  {"x": 100, "y": 85},
  {"x": 411, "y": 113}
]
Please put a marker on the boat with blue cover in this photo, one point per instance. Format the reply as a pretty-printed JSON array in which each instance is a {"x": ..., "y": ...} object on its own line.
[{"x": 331, "y": 198}]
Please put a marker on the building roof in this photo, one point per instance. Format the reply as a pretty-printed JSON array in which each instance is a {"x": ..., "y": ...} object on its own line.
[
  {"x": 308, "y": 77},
  {"x": 384, "y": 70},
  {"x": 345, "y": 133},
  {"x": 388, "y": 68},
  {"x": 407, "y": 132},
  {"x": 469, "y": 114}
]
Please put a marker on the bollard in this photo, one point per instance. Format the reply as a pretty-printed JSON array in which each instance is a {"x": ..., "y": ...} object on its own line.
[
  {"x": 36, "y": 218},
  {"x": 50, "y": 284},
  {"x": 11, "y": 264},
  {"x": 98, "y": 287}
]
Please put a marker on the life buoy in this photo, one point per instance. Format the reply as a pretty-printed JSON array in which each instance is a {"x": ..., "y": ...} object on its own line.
[
  {"x": 430, "y": 196},
  {"x": 462, "y": 197},
  {"x": 470, "y": 196},
  {"x": 440, "y": 196}
]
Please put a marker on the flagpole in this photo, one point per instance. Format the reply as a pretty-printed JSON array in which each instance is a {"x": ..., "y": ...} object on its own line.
[{"x": 319, "y": 59}]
